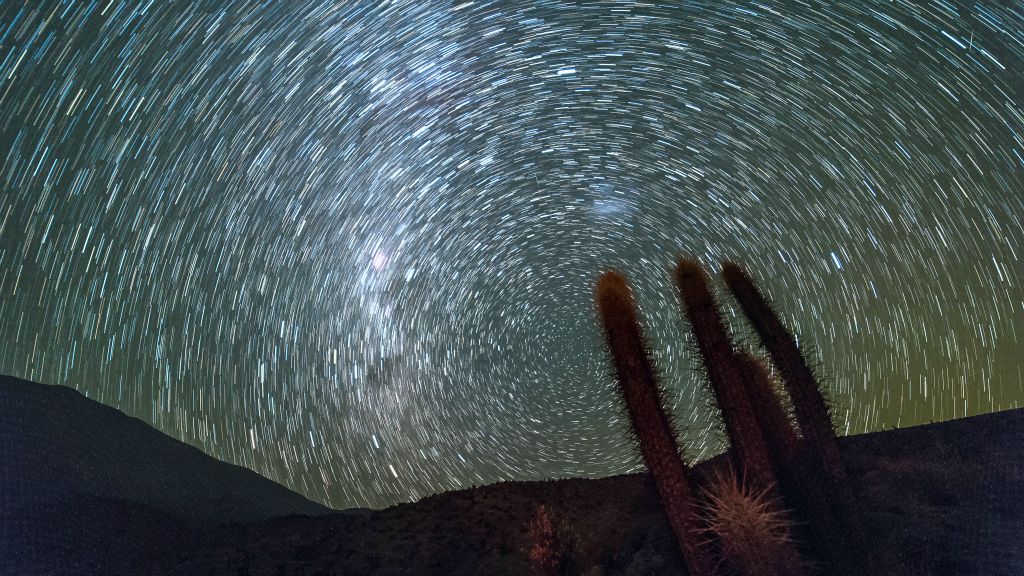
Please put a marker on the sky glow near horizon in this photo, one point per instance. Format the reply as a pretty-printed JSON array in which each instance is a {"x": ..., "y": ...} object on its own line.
[{"x": 352, "y": 246}]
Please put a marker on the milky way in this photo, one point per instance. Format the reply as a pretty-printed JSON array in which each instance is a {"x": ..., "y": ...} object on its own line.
[{"x": 353, "y": 247}]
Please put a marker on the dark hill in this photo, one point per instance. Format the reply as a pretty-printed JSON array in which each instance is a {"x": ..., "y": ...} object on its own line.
[
  {"x": 69, "y": 462},
  {"x": 942, "y": 499}
]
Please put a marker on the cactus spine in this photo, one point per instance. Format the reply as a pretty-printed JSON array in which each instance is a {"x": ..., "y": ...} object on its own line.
[
  {"x": 654, "y": 431},
  {"x": 754, "y": 531}
]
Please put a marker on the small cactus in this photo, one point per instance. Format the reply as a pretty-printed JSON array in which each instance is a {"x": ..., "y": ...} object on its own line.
[
  {"x": 547, "y": 550},
  {"x": 654, "y": 431},
  {"x": 753, "y": 531}
]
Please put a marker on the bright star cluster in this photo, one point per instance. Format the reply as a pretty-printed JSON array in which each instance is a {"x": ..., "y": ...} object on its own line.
[{"x": 352, "y": 245}]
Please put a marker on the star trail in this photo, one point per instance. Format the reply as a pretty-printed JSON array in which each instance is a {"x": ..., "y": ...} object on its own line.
[{"x": 352, "y": 245}]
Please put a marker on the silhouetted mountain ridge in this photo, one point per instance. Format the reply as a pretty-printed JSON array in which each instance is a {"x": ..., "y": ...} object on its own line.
[
  {"x": 70, "y": 462},
  {"x": 68, "y": 445},
  {"x": 81, "y": 496}
]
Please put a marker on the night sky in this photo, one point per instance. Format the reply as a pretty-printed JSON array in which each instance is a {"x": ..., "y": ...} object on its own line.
[{"x": 353, "y": 247}]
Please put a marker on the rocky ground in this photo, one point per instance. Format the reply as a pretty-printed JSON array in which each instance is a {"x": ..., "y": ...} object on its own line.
[{"x": 942, "y": 499}]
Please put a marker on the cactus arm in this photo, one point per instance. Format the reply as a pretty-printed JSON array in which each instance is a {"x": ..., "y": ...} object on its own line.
[
  {"x": 723, "y": 373},
  {"x": 808, "y": 403}
]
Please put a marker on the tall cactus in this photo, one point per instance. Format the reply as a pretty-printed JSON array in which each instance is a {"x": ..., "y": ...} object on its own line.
[
  {"x": 813, "y": 417},
  {"x": 811, "y": 410},
  {"x": 727, "y": 379},
  {"x": 654, "y": 431},
  {"x": 724, "y": 374}
]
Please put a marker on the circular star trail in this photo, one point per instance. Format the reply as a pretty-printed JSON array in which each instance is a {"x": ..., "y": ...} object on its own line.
[{"x": 352, "y": 246}]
